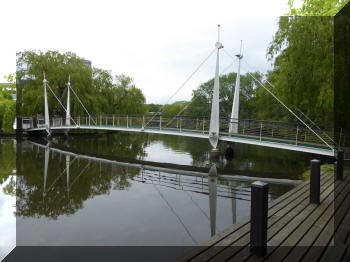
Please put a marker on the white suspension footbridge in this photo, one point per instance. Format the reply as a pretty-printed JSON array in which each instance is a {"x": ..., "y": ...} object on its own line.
[{"x": 298, "y": 137}]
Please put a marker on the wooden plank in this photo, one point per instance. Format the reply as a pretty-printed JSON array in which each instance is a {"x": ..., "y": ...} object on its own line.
[
  {"x": 300, "y": 203},
  {"x": 334, "y": 254},
  {"x": 308, "y": 229},
  {"x": 283, "y": 228},
  {"x": 327, "y": 234},
  {"x": 241, "y": 230}
]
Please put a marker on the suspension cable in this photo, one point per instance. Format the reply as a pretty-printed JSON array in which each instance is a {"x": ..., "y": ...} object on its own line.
[
  {"x": 198, "y": 95},
  {"x": 177, "y": 216},
  {"x": 60, "y": 103},
  {"x": 313, "y": 123},
  {"x": 289, "y": 110},
  {"x": 181, "y": 86},
  {"x": 82, "y": 105}
]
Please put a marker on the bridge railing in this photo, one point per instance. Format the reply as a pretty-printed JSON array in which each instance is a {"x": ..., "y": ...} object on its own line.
[{"x": 255, "y": 129}]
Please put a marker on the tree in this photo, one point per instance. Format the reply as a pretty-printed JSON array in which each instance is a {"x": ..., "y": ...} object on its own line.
[
  {"x": 201, "y": 97},
  {"x": 127, "y": 99},
  {"x": 175, "y": 108},
  {"x": 7, "y": 109},
  {"x": 302, "y": 55},
  {"x": 97, "y": 89},
  {"x": 317, "y": 7}
]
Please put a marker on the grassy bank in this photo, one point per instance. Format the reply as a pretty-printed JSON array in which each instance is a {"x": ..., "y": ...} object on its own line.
[{"x": 326, "y": 168}]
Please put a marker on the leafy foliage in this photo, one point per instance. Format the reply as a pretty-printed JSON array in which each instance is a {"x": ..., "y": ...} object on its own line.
[
  {"x": 317, "y": 7},
  {"x": 302, "y": 55},
  {"x": 201, "y": 97},
  {"x": 99, "y": 91},
  {"x": 7, "y": 111}
]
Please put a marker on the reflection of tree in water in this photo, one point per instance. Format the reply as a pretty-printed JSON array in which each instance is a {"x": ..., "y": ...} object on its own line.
[
  {"x": 7, "y": 164},
  {"x": 127, "y": 145},
  {"x": 96, "y": 179},
  {"x": 198, "y": 148}
]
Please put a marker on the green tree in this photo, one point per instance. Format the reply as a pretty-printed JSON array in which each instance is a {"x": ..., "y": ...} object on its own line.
[
  {"x": 201, "y": 97},
  {"x": 175, "y": 108},
  {"x": 96, "y": 88},
  {"x": 302, "y": 55},
  {"x": 317, "y": 7},
  {"x": 7, "y": 110}
]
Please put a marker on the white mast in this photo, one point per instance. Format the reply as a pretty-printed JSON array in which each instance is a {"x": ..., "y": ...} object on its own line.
[
  {"x": 68, "y": 103},
  {"x": 235, "y": 106},
  {"x": 215, "y": 114},
  {"x": 47, "y": 117}
]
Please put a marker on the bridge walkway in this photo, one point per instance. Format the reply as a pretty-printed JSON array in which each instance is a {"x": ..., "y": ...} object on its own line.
[{"x": 269, "y": 135}]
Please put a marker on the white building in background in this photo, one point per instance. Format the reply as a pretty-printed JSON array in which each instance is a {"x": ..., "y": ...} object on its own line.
[{"x": 12, "y": 92}]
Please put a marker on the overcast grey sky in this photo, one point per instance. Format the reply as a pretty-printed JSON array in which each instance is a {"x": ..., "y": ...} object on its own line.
[{"x": 158, "y": 43}]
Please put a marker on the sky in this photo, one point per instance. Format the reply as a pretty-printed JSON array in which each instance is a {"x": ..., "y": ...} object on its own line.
[{"x": 158, "y": 43}]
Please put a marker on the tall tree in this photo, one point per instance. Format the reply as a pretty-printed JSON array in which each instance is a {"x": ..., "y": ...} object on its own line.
[
  {"x": 201, "y": 97},
  {"x": 96, "y": 88}
]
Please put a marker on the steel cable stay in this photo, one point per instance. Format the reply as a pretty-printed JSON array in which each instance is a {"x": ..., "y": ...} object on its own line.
[
  {"x": 295, "y": 115},
  {"x": 61, "y": 103},
  {"x": 182, "y": 85},
  {"x": 307, "y": 126},
  {"x": 173, "y": 211},
  {"x": 82, "y": 104},
  {"x": 82, "y": 171},
  {"x": 312, "y": 122},
  {"x": 54, "y": 182},
  {"x": 198, "y": 95},
  {"x": 205, "y": 214}
]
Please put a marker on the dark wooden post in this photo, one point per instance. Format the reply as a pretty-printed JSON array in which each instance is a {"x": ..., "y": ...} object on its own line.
[
  {"x": 340, "y": 164},
  {"x": 315, "y": 181},
  {"x": 258, "y": 218}
]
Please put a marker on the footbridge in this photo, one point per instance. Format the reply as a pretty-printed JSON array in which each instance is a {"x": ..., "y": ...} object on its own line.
[{"x": 301, "y": 137}]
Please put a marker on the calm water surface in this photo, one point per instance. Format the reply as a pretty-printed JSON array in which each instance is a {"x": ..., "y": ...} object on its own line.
[{"x": 131, "y": 189}]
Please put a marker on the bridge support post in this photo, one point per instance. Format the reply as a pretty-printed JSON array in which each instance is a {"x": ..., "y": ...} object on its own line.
[
  {"x": 215, "y": 114},
  {"x": 212, "y": 188},
  {"x": 233, "y": 128},
  {"x": 127, "y": 121},
  {"x": 160, "y": 123},
  {"x": 68, "y": 103},
  {"x": 258, "y": 218},
  {"x": 47, "y": 117},
  {"x": 113, "y": 121},
  {"x": 315, "y": 181},
  {"x": 340, "y": 164},
  {"x": 143, "y": 121}
]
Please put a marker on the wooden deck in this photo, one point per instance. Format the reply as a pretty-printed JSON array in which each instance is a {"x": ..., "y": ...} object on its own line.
[{"x": 297, "y": 230}]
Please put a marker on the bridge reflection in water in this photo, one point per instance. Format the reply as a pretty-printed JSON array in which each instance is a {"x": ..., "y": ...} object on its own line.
[{"x": 71, "y": 182}]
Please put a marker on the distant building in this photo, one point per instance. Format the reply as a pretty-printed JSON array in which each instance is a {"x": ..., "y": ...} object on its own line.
[
  {"x": 87, "y": 62},
  {"x": 12, "y": 92}
]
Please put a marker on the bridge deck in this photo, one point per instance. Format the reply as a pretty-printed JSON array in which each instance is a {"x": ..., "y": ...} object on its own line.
[
  {"x": 237, "y": 138},
  {"x": 297, "y": 230}
]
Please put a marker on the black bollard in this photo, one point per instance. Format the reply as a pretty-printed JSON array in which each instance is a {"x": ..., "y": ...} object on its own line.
[
  {"x": 340, "y": 164},
  {"x": 315, "y": 181},
  {"x": 258, "y": 218}
]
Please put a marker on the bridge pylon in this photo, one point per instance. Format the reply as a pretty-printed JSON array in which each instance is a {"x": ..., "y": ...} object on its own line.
[
  {"x": 215, "y": 113},
  {"x": 46, "y": 104},
  {"x": 233, "y": 127},
  {"x": 68, "y": 103}
]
